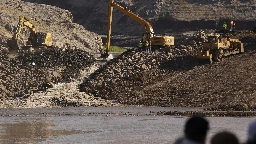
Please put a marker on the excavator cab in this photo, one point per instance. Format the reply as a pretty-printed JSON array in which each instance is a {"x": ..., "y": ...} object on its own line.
[{"x": 157, "y": 41}]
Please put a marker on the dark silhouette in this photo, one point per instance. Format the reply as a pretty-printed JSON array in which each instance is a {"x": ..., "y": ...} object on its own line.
[
  {"x": 224, "y": 138},
  {"x": 196, "y": 129},
  {"x": 252, "y": 133}
]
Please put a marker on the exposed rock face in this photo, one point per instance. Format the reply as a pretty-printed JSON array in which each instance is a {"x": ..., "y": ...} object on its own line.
[
  {"x": 165, "y": 15},
  {"x": 59, "y": 22}
]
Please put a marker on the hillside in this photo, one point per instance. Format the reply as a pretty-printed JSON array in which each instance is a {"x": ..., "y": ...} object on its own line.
[
  {"x": 165, "y": 15},
  {"x": 25, "y": 78},
  {"x": 68, "y": 74}
]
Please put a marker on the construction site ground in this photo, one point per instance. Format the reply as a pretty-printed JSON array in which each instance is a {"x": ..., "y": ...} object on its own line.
[
  {"x": 164, "y": 78},
  {"x": 69, "y": 74},
  {"x": 66, "y": 94}
]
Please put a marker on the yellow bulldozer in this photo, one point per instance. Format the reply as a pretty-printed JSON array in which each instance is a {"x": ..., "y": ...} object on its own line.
[
  {"x": 148, "y": 38},
  {"x": 216, "y": 47},
  {"x": 35, "y": 40}
]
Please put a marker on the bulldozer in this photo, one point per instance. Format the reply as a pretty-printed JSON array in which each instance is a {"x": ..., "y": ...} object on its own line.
[
  {"x": 218, "y": 46},
  {"x": 148, "y": 38},
  {"x": 36, "y": 39}
]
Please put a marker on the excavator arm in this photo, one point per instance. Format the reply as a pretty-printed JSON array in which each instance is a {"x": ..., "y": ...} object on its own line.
[
  {"x": 149, "y": 38},
  {"x": 135, "y": 17},
  {"x": 14, "y": 43},
  {"x": 132, "y": 15},
  {"x": 35, "y": 39},
  {"x": 24, "y": 21}
]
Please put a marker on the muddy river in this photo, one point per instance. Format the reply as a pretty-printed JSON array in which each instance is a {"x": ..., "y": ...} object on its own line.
[{"x": 104, "y": 125}]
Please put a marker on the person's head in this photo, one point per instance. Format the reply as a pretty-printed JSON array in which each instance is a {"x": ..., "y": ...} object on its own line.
[
  {"x": 252, "y": 131},
  {"x": 196, "y": 129},
  {"x": 224, "y": 138}
]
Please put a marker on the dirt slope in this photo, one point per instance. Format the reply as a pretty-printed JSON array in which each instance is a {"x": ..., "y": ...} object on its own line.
[
  {"x": 26, "y": 79},
  {"x": 178, "y": 79},
  {"x": 59, "y": 22}
]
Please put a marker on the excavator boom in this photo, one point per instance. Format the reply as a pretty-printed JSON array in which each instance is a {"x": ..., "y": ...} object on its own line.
[
  {"x": 148, "y": 37},
  {"x": 110, "y": 11},
  {"x": 135, "y": 17}
]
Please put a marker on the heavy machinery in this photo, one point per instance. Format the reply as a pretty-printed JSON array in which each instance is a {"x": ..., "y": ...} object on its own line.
[
  {"x": 218, "y": 47},
  {"x": 35, "y": 40},
  {"x": 148, "y": 38}
]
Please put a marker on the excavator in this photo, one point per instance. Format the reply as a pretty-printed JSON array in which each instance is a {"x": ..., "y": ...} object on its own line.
[
  {"x": 35, "y": 40},
  {"x": 148, "y": 38}
]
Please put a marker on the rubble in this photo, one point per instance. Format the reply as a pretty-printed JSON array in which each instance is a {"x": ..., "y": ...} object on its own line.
[
  {"x": 68, "y": 74},
  {"x": 176, "y": 79}
]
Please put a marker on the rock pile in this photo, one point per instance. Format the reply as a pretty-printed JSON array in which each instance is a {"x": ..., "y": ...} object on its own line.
[
  {"x": 60, "y": 95},
  {"x": 48, "y": 77},
  {"x": 176, "y": 79},
  {"x": 32, "y": 72}
]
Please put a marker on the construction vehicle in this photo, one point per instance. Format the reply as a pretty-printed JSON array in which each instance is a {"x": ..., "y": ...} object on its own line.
[
  {"x": 216, "y": 47},
  {"x": 149, "y": 38},
  {"x": 35, "y": 40}
]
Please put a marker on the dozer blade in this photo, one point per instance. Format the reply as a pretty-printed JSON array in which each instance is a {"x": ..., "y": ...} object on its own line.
[{"x": 205, "y": 61}]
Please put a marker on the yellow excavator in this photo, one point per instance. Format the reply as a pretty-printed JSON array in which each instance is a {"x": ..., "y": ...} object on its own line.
[
  {"x": 35, "y": 40},
  {"x": 148, "y": 38}
]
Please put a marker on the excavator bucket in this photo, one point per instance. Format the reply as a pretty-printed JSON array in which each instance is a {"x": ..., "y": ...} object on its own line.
[
  {"x": 14, "y": 47},
  {"x": 13, "y": 44}
]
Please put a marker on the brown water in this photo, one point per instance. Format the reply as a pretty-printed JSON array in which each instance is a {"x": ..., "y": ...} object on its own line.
[{"x": 99, "y": 125}]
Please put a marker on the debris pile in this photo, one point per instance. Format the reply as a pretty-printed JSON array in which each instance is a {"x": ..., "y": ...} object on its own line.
[
  {"x": 176, "y": 79},
  {"x": 32, "y": 72},
  {"x": 164, "y": 77}
]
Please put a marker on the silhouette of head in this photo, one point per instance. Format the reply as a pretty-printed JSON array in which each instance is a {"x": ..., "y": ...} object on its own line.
[
  {"x": 196, "y": 128},
  {"x": 224, "y": 138},
  {"x": 252, "y": 131}
]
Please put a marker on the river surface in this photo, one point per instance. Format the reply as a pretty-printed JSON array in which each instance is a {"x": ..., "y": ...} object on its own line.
[{"x": 104, "y": 125}]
